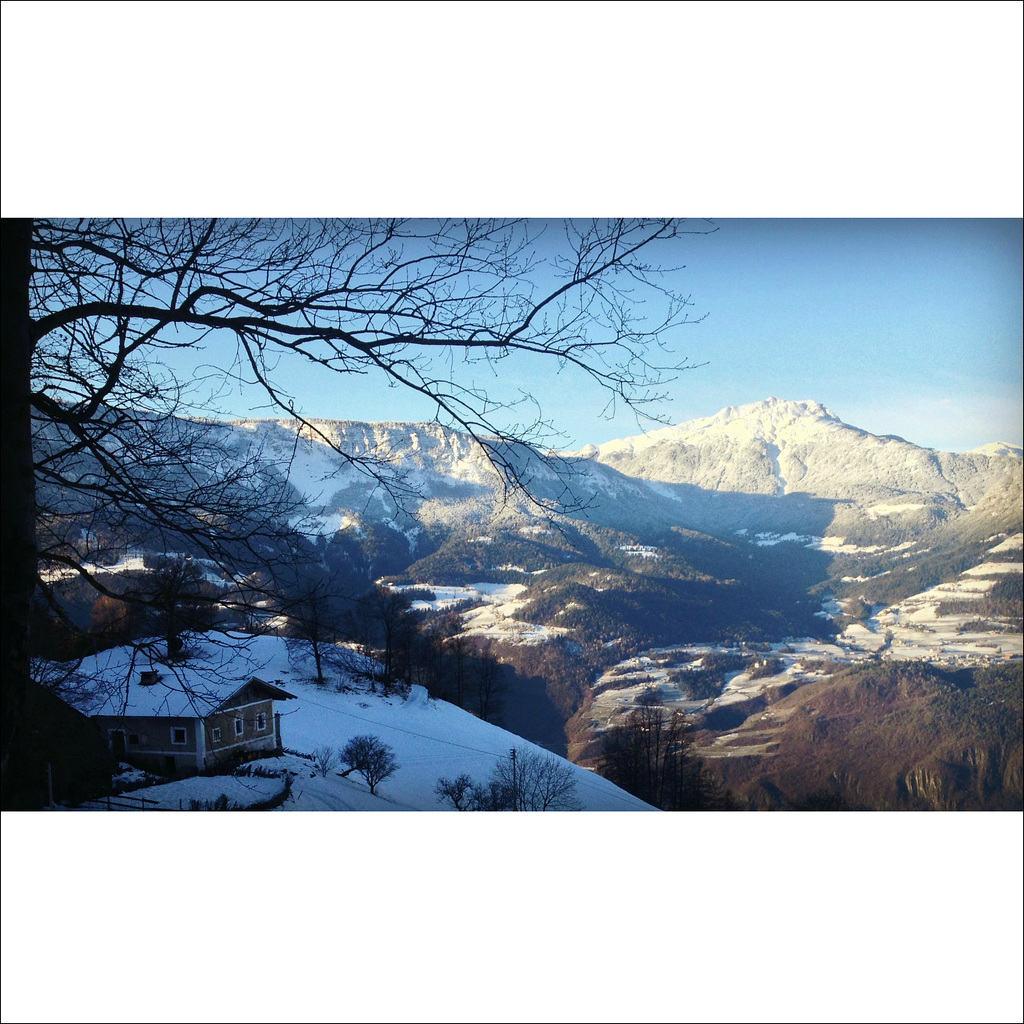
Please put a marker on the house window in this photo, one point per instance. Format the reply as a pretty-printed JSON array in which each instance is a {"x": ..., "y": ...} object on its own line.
[
  {"x": 261, "y": 721},
  {"x": 215, "y": 733},
  {"x": 239, "y": 727},
  {"x": 133, "y": 738},
  {"x": 178, "y": 736}
]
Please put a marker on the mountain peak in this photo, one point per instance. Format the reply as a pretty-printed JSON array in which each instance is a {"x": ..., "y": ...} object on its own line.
[
  {"x": 781, "y": 407},
  {"x": 765, "y": 420},
  {"x": 998, "y": 448},
  {"x": 771, "y": 421}
]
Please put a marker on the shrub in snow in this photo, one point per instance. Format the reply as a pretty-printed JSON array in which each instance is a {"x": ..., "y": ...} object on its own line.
[
  {"x": 370, "y": 757},
  {"x": 523, "y": 781},
  {"x": 323, "y": 758}
]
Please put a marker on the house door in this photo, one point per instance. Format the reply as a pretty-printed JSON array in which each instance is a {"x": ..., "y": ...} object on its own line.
[{"x": 117, "y": 743}]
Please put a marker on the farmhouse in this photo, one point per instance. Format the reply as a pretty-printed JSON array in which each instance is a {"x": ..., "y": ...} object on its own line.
[{"x": 177, "y": 727}]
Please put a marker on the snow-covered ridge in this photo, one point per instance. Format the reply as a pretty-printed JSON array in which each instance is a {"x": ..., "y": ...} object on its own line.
[
  {"x": 769, "y": 448},
  {"x": 771, "y": 420},
  {"x": 778, "y": 447},
  {"x": 697, "y": 475}
]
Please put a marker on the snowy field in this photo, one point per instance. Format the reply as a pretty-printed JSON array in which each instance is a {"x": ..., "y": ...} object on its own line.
[
  {"x": 430, "y": 739},
  {"x": 913, "y": 629},
  {"x": 494, "y": 619}
]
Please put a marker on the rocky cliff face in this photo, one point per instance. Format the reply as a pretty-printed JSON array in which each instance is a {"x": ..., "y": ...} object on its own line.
[{"x": 403, "y": 472}]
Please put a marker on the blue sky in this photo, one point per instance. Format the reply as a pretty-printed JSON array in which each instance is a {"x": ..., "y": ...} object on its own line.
[
  {"x": 910, "y": 327},
  {"x": 899, "y": 326}
]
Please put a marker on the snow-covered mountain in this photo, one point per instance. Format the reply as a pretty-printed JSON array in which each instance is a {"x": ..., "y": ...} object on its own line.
[
  {"x": 837, "y": 479},
  {"x": 772, "y": 465},
  {"x": 409, "y": 475},
  {"x": 771, "y": 448},
  {"x": 419, "y": 502},
  {"x": 779, "y": 447}
]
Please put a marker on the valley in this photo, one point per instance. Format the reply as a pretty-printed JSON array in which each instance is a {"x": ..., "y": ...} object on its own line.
[
  {"x": 741, "y": 711},
  {"x": 718, "y": 570}
]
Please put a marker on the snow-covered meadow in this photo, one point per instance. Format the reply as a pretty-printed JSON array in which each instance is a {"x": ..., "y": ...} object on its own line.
[{"x": 493, "y": 617}]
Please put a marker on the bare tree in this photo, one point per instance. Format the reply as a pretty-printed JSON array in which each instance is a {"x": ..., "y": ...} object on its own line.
[
  {"x": 176, "y": 590},
  {"x": 370, "y": 757},
  {"x": 489, "y": 679},
  {"x": 429, "y": 661},
  {"x": 313, "y": 605},
  {"x": 650, "y": 754},
  {"x": 458, "y": 790},
  {"x": 116, "y": 621},
  {"x": 97, "y": 422},
  {"x": 458, "y": 649},
  {"x": 323, "y": 758},
  {"x": 382, "y": 625},
  {"x": 527, "y": 781}
]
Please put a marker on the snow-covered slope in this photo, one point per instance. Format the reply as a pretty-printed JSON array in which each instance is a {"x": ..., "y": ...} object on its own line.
[
  {"x": 409, "y": 474},
  {"x": 430, "y": 738}
]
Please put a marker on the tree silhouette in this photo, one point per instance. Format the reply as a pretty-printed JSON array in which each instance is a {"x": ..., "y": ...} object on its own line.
[
  {"x": 650, "y": 754},
  {"x": 458, "y": 790},
  {"x": 382, "y": 625},
  {"x": 313, "y": 604},
  {"x": 98, "y": 423},
  {"x": 528, "y": 781},
  {"x": 175, "y": 591},
  {"x": 370, "y": 757}
]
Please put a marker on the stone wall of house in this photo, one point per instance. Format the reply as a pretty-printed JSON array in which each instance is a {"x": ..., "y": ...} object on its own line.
[
  {"x": 170, "y": 746},
  {"x": 224, "y": 741}
]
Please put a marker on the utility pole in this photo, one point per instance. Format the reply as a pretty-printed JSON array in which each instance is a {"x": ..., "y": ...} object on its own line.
[{"x": 515, "y": 785}]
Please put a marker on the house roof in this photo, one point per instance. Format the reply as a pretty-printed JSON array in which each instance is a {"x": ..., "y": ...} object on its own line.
[
  {"x": 173, "y": 697},
  {"x": 195, "y": 688},
  {"x": 275, "y": 690}
]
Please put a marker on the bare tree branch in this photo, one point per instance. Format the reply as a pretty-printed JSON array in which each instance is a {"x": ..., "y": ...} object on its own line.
[{"x": 95, "y": 310}]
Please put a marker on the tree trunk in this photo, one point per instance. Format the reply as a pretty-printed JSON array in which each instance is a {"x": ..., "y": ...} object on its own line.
[{"x": 17, "y": 495}]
